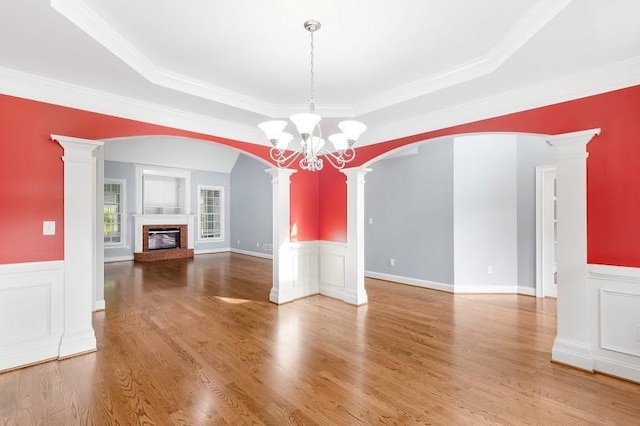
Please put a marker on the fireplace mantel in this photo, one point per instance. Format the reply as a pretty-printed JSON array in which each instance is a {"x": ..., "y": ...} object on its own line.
[{"x": 139, "y": 220}]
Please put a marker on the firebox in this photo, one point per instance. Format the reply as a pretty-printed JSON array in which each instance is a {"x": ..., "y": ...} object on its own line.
[{"x": 164, "y": 238}]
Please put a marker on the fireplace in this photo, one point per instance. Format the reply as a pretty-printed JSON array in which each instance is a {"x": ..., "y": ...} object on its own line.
[
  {"x": 163, "y": 241},
  {"x": 163, "y": 238}
]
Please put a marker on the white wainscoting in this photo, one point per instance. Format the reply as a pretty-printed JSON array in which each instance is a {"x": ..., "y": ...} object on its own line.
[
  {"x": 331, "y": 276},
  {"x": 31, "y": 312},
  {"x": 304, "y": 260},
  {"x": 614, "y": 312}
]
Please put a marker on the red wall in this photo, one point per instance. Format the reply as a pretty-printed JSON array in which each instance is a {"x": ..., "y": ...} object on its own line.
[
  {"x": 613, "y": 168},
  {"x": 31, "y": 173}
]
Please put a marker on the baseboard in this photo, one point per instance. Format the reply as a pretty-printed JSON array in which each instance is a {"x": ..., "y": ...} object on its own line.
[
  {"x": 617, "y": 369},
  {"x": 494, "y": 289},
  {"x": 450, "y": 288},
  {"x": 575, "y": 354},
  {"x": 118, "y": 259},
  {"x": 526, "y": 291},
  {"x": 98, "y": 305},
  {"x": 433, "y": 285},
  {"x": 212, "y": 251},
  {"x": 251, "y": 253},
  {"x": 77, "y": 343}
]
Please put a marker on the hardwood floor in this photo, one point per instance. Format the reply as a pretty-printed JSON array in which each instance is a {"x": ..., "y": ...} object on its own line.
[{"x": 195, "y": 341}]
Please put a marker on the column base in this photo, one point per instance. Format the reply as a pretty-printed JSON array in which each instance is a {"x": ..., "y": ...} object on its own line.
[
  {"x": 575, "y": 354},
  {"x": 77, "y": 343}
]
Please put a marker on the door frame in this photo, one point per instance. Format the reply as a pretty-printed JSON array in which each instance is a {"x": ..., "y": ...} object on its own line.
[{"x": 545, "y": 175}]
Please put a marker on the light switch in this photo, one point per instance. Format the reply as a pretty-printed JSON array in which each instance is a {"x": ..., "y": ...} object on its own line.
[{"x": 49, "y": 227}]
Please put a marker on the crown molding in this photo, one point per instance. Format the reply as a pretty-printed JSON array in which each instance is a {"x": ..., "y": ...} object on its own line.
[
  {"x": 93, "y": 25},
  {"x": 56, "y": 92},
  {"x": 96, "y": 27},
  {"x": 535, "y": 19},
  {"x": 604, "y": 79}
]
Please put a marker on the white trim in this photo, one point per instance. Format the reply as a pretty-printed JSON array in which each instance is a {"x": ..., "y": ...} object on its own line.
[
  {"x": 614, "y": 273},
  {"x": 92, "y": 24},
  {"x": 99, "y": 305},
  {"x": 542, "y": 228},
  {"x": 199, "y": 237},
  {"x": 576, "y": 354},
  {"x": 617, "y": 368},
  {"x": 251, "y": 253},
  {"x": 118, "y": 259},
  {"x": 80, "y": 176},
  {"x": 494, "y": 289},
  {"x": 450, "y": 288},
  {"x": 30, "y": 86},
  {"x": 433, "y": 285},
  {"x": 123, "y": 213},
  {"x": 33, "y": 295},
  {"x": 212, "y": 251},
  {"x": 535, "y": 19},
  {"x": 575, "y": 86}
]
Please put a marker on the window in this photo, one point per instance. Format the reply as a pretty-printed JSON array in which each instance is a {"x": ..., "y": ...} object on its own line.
[
  {"x": 114, "y": 221},
  {"x": 210, "y": 213}
]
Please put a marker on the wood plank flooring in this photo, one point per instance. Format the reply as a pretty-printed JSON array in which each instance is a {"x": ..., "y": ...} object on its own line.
[{"x": 195, "y": 342}]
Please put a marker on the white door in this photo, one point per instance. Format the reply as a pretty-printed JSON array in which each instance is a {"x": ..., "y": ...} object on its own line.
[{"x": 547, "y": 226}]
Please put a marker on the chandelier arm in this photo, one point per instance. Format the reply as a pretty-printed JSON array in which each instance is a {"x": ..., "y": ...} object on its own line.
[
  {"x": 281, "y": 159},
  {"x": 341, "y": 158}
]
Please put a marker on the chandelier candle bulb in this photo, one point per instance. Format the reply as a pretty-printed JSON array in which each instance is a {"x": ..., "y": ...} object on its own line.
[{"x": 312, "y": 152}]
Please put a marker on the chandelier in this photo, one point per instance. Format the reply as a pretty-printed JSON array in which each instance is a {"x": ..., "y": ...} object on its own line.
[{"x": 312, "y": 146}]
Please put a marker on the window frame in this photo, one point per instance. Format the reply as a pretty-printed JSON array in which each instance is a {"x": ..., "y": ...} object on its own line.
[
  {"x": 123, "y": 215},
  {"x": 221, "y": 213}
]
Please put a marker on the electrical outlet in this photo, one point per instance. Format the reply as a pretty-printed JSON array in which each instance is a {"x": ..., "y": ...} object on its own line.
[
  {"x": 370, "y": 221},
  {"x": 49, "y": 227},
  {"x": 238, "y": 242},
  {"x": 258, "y": 245},
  {"x": 267, "y": 247},
  {"x": 489, "y": 269},
  {"x": 392, "y": 262}
]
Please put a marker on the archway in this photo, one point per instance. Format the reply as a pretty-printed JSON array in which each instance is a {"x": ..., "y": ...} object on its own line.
[{"x": 571, "y": 345}]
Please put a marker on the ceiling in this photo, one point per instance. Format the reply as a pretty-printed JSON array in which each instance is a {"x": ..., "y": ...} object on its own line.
[{"x": 243, "y": 61}]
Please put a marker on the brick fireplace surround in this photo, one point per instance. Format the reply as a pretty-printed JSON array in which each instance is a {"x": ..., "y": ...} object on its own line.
[{"x": 174, "y": 253}]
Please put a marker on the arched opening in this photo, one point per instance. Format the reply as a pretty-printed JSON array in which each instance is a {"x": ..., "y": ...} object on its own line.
[{"x": 178, "y": 185}]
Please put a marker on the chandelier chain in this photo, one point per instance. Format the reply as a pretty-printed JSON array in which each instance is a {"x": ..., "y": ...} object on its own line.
[{"x": 312, "y": 101}]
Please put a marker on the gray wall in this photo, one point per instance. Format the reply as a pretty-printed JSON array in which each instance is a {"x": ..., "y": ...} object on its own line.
[
  {"x": 251, "y": 206},
  {"x": 200, "y": 177},
  {"x": 532, "y": 151},
  {"x": 125, "y": 171},
  {"x": 410, "y": 200},
  {"x": 485, "y": 211}
]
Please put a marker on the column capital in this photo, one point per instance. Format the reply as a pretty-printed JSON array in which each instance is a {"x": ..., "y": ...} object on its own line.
[
  {"x": 279, "y": 175},
  {"x": 76, "y": 148},
  {"x": 568, "y": 146},
  {"x": 357, "y": 173}
]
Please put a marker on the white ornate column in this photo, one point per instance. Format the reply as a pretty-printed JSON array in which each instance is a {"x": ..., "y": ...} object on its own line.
[
  {"x": 571, "y": 345},
  {"x": 282, "y": 290},
  {"x": 79, "y": 242},
  {"x": 355, "y": 292}
]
